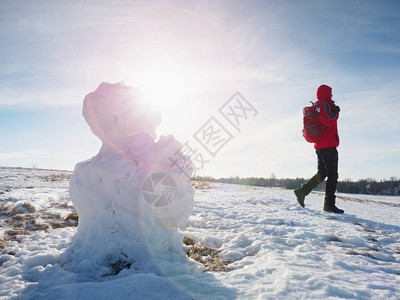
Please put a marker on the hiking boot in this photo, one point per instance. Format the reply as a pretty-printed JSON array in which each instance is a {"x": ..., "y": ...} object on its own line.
[
  {"x": 329, "y": 205},
  {"x": 333, "y": 209},
  {"x": 300, "y": 195},
  {"x": 307, "y": 188}
]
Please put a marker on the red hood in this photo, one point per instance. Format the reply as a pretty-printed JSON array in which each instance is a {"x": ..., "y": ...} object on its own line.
[{"x": 324, "y": 93}]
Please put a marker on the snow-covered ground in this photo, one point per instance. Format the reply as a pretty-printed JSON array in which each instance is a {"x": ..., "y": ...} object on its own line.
[{"x": 277, "y": 249}]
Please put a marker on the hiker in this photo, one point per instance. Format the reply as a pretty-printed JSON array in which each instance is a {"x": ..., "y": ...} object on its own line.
[{"x": 326, "y": 152}]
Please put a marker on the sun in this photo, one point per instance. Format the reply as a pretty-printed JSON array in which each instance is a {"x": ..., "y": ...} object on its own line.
[{"x": 162, "y": 87}]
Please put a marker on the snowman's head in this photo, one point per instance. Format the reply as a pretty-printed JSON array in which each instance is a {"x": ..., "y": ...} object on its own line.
[{"x": 116, "y": 111}]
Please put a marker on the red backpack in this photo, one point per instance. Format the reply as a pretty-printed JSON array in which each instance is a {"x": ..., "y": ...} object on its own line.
[{"x": 312, "y": 124}]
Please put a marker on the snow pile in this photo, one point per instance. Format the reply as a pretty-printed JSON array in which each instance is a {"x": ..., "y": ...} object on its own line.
[{"x": 130, "y": 198}]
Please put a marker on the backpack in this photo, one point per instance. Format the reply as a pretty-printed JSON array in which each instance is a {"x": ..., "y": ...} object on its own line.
[{"x": 312, "y": 124}]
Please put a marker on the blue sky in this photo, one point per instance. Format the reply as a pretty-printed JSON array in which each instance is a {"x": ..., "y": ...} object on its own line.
[{"x": 192, "y": 56}]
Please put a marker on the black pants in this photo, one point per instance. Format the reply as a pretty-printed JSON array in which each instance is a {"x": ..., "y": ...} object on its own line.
[{"x": 328, "y": 168}]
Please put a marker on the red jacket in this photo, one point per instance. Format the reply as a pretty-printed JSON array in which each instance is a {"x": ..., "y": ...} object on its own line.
[{"x": 330, "y": 137}]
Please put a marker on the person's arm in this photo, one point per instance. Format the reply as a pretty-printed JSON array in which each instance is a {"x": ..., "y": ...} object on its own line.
[{"x": 328, "y": 116}]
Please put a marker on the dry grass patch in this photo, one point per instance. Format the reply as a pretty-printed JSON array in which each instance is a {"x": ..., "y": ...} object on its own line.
[
  {"x": 55, "y": 177},
  {"x": 369, "y": 230},
  {"x": 69, "y": 221},
  {"x": 72, "y": 217},
  {"x": 366, "y": 254},
  {"x": 11, "y": 211},
  {"x": 22, "y": 219},
  {"x": 25, "y": 222},
  {"x": 24, "y": 208},
  {"x": 27, "y": 208},
  {"x": 201, "y": 185},
  {"x": 208, "y": 256},
  {"x": 55, "y": 220},
  {"x": 4, "y": 209},
  {"x": 60, "y": 224},
  {"x": 3, "y": 243},
  {"x": 51, "y": 215},
  {"x": 356, "y": 223},
  {"x": 64, "y": 205},
  {"x": 118, "y": 267},
  {"x": 13, "y": 233},
  {"x": 4, "y": 190}
]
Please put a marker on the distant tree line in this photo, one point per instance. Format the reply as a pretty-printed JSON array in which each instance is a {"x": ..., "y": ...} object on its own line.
[
  {"x": 363, "y": 186},
  {"x": 370, "y": 186}
]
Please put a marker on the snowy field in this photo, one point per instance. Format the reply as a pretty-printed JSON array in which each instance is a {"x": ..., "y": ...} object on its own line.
[{"x": 276, "y": 249}]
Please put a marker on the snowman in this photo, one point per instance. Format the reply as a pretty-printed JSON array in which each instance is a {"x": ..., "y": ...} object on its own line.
[{"x": 135, "y": 194}]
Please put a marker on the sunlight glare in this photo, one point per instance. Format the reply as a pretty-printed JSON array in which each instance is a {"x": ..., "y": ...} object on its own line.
[{"x": 161, "y": 87}]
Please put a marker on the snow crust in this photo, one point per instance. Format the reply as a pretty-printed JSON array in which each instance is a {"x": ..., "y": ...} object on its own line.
[{"x": 116, "y": 222}]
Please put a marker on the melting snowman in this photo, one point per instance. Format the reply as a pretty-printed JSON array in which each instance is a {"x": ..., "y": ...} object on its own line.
[{"x": 133, "y": 195}]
